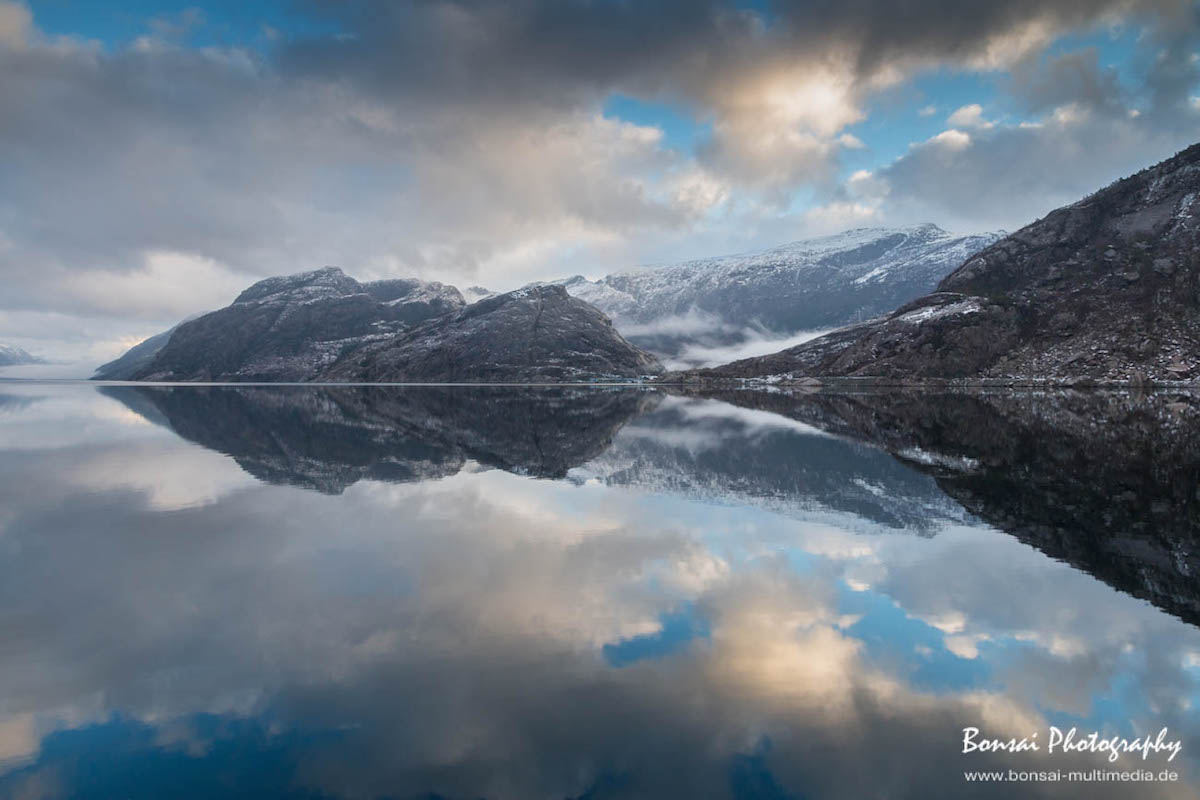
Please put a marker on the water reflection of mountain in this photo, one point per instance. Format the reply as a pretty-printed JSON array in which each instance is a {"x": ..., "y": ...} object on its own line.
[
  {"x": 718, "y": 452},
  {"x": 328, "y": 438},
  {"x": 1108, "y": 482},
  {"x": 15, "y": 402}
]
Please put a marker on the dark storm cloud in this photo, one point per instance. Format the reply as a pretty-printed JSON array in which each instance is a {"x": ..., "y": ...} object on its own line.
[
  {"x": 458, "y": 140},
  {"x": 1042, "y": 85},
  {"x": 540, "y": 47}
]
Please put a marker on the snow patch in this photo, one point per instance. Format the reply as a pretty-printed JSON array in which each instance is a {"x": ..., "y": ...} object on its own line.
[
  {"x": 926, "y": 313},
  {"x": 956, "y": 463}
]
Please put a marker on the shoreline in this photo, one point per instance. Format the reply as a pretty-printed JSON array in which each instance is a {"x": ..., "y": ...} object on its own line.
[{"x": 813, "y": 385}]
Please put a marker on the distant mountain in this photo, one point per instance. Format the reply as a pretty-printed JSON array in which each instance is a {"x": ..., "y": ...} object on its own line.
[
  {"x": 14, "y": 356},
  {"x": 807, "y": 285},
  {"x": 324, "y": 325},
  {"x": 1106, "y": 289}
]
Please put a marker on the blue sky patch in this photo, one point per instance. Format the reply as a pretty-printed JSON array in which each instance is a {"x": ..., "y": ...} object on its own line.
[{"x": 676, "y": 631}]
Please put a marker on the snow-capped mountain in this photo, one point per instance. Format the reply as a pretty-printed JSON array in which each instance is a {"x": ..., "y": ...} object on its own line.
[
  {"x": 281, "y": 327},
  {"x": 12, "y": 356},
  {"x": 324, "y": 325},
  {"x": 1101, "y": 290},
  {"x": 535, "y": 334},
  {"x": 699, "y": 311}
]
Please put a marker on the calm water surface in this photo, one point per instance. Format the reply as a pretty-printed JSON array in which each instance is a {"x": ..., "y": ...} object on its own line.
[{"x": 601, "y": 593}]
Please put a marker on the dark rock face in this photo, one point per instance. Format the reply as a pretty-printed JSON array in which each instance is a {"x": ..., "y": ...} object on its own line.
[
  {"x": 1106, "y": 289},
  {"x": 1105, "y": 481},
  {"x": 327, "y": 438},
  {"x": 539, "y": 333},
  {"x": 807, "y": 285},
  {"x": 415, "y": 301},
  {"x": 943, "y": 336}
]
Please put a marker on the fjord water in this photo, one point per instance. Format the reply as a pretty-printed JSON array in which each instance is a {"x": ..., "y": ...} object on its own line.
[{"x": 591, "y": 592}]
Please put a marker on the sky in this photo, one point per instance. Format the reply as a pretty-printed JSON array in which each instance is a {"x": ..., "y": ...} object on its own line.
[{"x": 156, "y": 157}]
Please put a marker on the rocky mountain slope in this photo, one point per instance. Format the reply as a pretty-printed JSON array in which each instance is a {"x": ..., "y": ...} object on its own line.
[
  {"x": 539, "y": 333},
  {"x": 283, "y": 328},
  {"x": 1105, "y": 481},
  {"x": 324, "y": 325},
  {"x": 14, "y": 356},
  {"x": 806, "y": 285},
  {"x": 135, "y": 359},
  {"x": 1106, "y": 289}
]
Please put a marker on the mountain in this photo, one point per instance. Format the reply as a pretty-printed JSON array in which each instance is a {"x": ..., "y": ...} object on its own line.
[
  {"x": 136, "y": 358},
  {"x": 283, "y": 328},
  {"x": 675, "y": 311},
  {"x": 539, "y": 333},
  {"x": 324, "y": 325},
  {"x": 328, "y": 438},
  {"x": 1106, "y": 289},
  {"x": 1105, "y": 481},
  {"x": 14, "y": 356}
]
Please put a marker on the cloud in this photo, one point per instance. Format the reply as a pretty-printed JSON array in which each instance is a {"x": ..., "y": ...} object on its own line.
[
  {"x": 16, "y": 23},
  {"x": 1083, "y": 126},
  {"x": 467, "y": 142},
  {"x": 969, "y": 116},
  {"x": 1010, "y": 175},
  {"x": 1076, "y": 77}
]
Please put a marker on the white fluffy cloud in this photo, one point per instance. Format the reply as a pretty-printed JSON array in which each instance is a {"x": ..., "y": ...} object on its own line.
[{"x": 969, "y": 116}]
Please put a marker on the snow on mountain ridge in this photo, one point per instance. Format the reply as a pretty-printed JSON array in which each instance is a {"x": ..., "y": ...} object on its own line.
[{"x": 810, "y": 284}]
